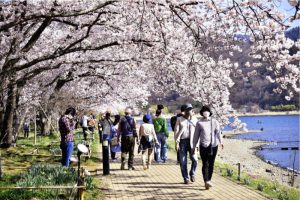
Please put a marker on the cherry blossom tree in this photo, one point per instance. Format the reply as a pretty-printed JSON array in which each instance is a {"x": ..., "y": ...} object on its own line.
[{"x": 91, "y": 53}]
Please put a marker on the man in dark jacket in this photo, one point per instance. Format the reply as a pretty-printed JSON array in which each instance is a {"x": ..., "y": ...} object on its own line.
[{"x": 128, "y": 134}]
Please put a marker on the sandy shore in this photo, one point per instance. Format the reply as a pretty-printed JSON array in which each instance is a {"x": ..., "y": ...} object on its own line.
[
  {"x": 244, "y": 152},
  {"x": 269, "y": 113}
]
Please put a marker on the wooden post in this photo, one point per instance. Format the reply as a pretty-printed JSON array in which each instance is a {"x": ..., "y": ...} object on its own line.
[
  {"x": 239, "y": 171},
  {"x": 34, "y": 126},
  {"x": 0, "y": 167}
]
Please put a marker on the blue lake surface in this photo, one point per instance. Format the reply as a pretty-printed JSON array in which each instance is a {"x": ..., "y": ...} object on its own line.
[{"x": 282, "y": 132}]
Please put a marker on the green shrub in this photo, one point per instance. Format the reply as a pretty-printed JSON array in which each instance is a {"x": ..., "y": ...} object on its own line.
[
  {"x": 229, "y": 172},
  {"x": 283, "y": 196},
  {"x": 283, "y": 107},
  {"x": 42, "y": 175},
  {"x": 89, "y": 183},
  {"x": 260, "y": 187},
  {"x": 247, "y": 181}
]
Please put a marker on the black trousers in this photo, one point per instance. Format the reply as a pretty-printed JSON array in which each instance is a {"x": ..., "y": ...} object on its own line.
[
  {"x": 127, "y": 146},
  {"x": 84, "y": 129},
  {"x": 100, "y": 136},
  {"x": 112, "y": 154},
  {"x": 208, "y": 161}
]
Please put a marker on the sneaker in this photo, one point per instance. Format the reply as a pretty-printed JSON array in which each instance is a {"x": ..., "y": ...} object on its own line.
[
  {"x": 131, "y": 168},
  {"x": 209, "y": 184},
  {"x": 193, "y": 178},
  {"x": 186, "y": 181}
]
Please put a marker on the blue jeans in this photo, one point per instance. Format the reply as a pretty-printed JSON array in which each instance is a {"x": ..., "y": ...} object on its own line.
[
  {"x": 67, "y": 150},
  {"x": 161, "y": 148},
  {"x": 185, "y": 147}
]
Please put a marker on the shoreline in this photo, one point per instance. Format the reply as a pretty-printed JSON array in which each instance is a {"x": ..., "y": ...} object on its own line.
[
  {"x": 269, "y": 113},
  {"x": 245, "y": 152}
]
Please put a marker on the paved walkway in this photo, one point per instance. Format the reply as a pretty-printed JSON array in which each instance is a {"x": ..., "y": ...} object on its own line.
[{"x": 164, "y": 181}]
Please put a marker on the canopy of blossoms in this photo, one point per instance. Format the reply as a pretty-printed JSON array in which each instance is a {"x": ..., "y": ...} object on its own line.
[{"x": 90, "y": 53}]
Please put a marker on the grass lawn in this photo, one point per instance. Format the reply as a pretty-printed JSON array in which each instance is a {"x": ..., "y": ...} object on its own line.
[{"x": 18, "y": 160}]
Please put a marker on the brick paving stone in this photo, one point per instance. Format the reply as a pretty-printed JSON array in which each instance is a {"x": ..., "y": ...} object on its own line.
[{"x": 164, "y": 181}]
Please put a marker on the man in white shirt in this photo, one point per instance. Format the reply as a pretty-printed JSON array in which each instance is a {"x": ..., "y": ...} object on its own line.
[
  {"x": 84, "y": 124},
  {"x": 184, "y": 132}
]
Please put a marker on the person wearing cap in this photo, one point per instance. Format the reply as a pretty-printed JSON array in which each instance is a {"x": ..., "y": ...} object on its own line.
[
  {"x": 208, "y": 136},
  {"x": 147, "y": 139},
  {"x": 127, "y": 132},
  {"x": 66, "y": 128},
  {"x": 162, "y": 133},
  {"x": 173, "y": 122},
  {"x": 184, "y": 132}
]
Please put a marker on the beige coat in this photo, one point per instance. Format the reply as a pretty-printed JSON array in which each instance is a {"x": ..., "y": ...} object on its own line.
[{"x": 181, "y": 127}]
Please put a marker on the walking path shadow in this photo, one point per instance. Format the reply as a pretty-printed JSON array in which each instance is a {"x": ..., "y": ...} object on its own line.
[{"x": 164, "y": 181}]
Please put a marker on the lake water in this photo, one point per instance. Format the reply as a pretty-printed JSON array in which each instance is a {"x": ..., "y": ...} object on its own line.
[{"x": 281, "y": 132}]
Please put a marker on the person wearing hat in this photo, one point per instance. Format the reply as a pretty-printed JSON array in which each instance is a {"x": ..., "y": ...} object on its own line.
[
  {"x": 127, "y": 132},
  {"x": 183, "y": 133},
  {"x": 147, "y": 139},
  {"x": 208, "y": 136}
]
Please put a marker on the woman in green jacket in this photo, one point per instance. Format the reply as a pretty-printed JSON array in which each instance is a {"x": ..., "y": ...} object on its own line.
[{"x": 162, "y": 134}]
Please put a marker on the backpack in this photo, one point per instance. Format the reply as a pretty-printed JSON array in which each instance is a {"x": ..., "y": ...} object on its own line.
[
  {"x": 128, "y": 126},
  {"x": 92, "y": 122},
  {"x": 173, "y": 121}
]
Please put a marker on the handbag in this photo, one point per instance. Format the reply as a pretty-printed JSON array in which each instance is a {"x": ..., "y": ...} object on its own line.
[
  {"x": 210, "y": 148},
  {"x": 114, "y": 141}
]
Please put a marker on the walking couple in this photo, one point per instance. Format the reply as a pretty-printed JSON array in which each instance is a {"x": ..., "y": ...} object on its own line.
[{"x": 192, "y": 135}]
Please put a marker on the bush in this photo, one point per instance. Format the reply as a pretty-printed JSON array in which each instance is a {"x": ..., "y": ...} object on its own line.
[
  {"x": 283, "y": 107},
  {"x": 247, "y": 181},
  {"x": 260, "y": 187},
  {"x": 283, "y": 196},
  {"x": 42, "y": 175},
  {"x": 45, "y": 175},
  {"x": 229, "y": 172}
]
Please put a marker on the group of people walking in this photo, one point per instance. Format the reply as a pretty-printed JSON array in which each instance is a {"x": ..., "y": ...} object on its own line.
[{"x": 190, "y": 134}]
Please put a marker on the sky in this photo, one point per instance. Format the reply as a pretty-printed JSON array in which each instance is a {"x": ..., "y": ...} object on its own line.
[{"x": 285, "y": 7}]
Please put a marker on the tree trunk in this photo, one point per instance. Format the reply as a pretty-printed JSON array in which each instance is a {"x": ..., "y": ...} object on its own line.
[
  {"x": 1, "y": 115},
  {"x": 7, "y": 124},
  {"x": 22, "y": 118},
  {"x": 47, "y": 124}
]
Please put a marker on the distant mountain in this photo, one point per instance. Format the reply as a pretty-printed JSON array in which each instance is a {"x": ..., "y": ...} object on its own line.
[{"x": 293, "y": 33}]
